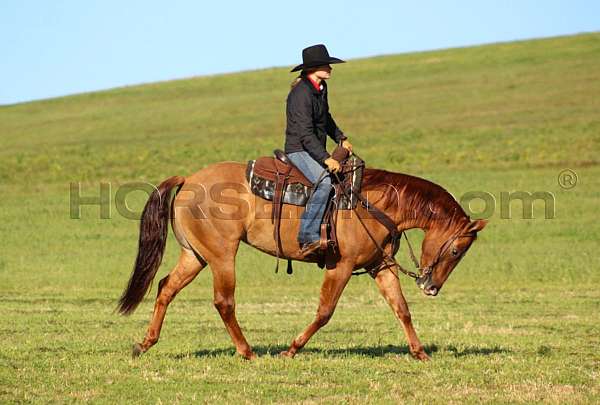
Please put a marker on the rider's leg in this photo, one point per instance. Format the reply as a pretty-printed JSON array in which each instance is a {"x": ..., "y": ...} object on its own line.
[{"x": 313, "y": 214}]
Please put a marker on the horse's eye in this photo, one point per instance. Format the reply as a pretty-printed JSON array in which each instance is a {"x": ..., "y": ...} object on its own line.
[{"x": 454, "y": 252}]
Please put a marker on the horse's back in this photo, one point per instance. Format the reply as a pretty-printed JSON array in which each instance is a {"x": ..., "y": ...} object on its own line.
[{"x": 228, "y": 171}]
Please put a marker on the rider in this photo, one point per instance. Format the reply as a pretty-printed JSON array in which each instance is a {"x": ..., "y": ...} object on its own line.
[{"x": 308, "y": 123}]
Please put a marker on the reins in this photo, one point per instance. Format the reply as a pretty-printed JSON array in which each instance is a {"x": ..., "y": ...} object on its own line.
[{"x": 389, "y": 260}]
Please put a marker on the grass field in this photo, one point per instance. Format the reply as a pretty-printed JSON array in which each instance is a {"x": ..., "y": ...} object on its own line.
[{"x": 518, "y": 321}]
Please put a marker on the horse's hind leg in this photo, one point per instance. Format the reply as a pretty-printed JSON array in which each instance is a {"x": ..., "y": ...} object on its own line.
[
  {"x": 389, "y": 286},
  {"x": 185, "y": 271},
  {"x": 333, "y": 285},
  {"x": 223, "y": 271}
]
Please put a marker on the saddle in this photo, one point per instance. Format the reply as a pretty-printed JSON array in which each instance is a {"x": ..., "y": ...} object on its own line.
[
  {"x": 270, "y": 175},
  {"x": 277, "y": 179}
]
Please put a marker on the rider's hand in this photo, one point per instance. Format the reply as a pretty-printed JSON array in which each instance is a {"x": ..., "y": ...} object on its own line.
[
  {"x": 332, "y": 165},
  {"x": 347, "y": 145}
]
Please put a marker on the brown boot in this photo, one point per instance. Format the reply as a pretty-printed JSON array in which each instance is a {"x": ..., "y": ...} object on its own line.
[{"x": 309, "y": 249}]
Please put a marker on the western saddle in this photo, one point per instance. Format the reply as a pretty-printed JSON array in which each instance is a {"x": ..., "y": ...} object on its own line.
[{"x": 276, "y": 179}]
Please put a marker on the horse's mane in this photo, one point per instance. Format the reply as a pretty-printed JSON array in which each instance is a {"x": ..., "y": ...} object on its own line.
[{"x": 415, "y": 195}]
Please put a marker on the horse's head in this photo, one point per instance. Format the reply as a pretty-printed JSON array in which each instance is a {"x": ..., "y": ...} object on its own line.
[{"x": 441, "y": 252}]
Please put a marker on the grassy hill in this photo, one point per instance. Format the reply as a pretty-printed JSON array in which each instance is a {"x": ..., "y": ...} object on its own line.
[
  {"x": 518, "y": 321},
  {"x": 508, "y": 106}
]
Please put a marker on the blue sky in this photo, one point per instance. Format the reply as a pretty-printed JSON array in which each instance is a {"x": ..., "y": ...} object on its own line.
[{"x": 58, "y": 47}]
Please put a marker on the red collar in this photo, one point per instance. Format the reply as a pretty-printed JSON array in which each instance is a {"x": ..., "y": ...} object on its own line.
[{"x": 315, "y": 84}]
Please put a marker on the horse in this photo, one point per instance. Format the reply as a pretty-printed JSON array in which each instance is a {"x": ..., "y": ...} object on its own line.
[{"x": 213, "y": 210}]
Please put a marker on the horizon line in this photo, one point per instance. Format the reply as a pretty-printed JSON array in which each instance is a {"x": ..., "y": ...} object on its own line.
[{"x": 236, "y": 72}]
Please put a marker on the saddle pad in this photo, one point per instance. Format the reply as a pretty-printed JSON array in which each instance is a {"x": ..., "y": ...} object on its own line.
[{"x": 296, "y": 193}]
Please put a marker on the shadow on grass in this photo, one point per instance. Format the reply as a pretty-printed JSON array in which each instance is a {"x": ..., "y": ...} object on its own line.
[
  {"x": 476, "y": 351},
  {"x": 367, "y": 351}
]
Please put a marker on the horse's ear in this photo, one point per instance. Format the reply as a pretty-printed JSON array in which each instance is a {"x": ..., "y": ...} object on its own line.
[{"x": 477, "y": 225}]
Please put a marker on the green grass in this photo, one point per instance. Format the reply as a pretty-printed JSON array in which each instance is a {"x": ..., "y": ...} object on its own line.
[{"x": 518, "y": 321}]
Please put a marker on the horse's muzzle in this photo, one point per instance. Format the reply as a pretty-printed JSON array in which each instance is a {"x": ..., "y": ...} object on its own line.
[
  {"x": 425, "y": 284},
  {"x": 431, "y": 291}
]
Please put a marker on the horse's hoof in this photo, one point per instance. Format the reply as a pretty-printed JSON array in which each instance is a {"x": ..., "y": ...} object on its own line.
[
  {"x": 421, "y": 356},
  {"x": 137, "y": 350},
  {"x": 246, "y": 354},
  {"x": 249, "y": 356},
  {"x": 287, "y": 354}
]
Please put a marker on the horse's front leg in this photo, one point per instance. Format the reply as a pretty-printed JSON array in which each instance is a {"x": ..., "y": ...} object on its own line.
[
  {"x": 334, "y": 283},
  {"x": 389, "y": 286}
]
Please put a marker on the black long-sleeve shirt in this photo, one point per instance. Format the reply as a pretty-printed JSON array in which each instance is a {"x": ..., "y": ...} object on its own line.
[{"x": 309, "y": 121}]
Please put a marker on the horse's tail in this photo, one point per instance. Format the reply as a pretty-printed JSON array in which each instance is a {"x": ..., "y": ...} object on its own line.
[{"x": 151, "y": 245}]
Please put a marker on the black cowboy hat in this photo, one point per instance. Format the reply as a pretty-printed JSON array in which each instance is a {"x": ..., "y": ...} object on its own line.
[{"x": 314, "y": 56}]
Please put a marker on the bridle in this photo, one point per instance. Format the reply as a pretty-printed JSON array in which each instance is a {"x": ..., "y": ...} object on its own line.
[
  {"x": 426, "y": 271},
  {"x": 389, "y": 260}
]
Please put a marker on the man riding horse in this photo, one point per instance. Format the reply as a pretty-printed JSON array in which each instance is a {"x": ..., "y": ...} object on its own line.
[
  {"x": 308, "y": 124},
  {"x": 209, "y": 232}
]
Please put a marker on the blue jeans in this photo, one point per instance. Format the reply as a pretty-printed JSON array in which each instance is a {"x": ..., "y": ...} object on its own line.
[{"x": 313, "y": 214}]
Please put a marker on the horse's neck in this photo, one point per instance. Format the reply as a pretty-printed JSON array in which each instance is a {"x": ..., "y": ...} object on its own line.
[
  {"x": 407, "y": 217},
  {"x": 415, "y": 202},
  {"x": 415, "y": 223}
]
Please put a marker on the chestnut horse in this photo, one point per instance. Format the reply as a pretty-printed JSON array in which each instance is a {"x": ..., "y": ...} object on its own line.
[{"x": 213, "y": 210}]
